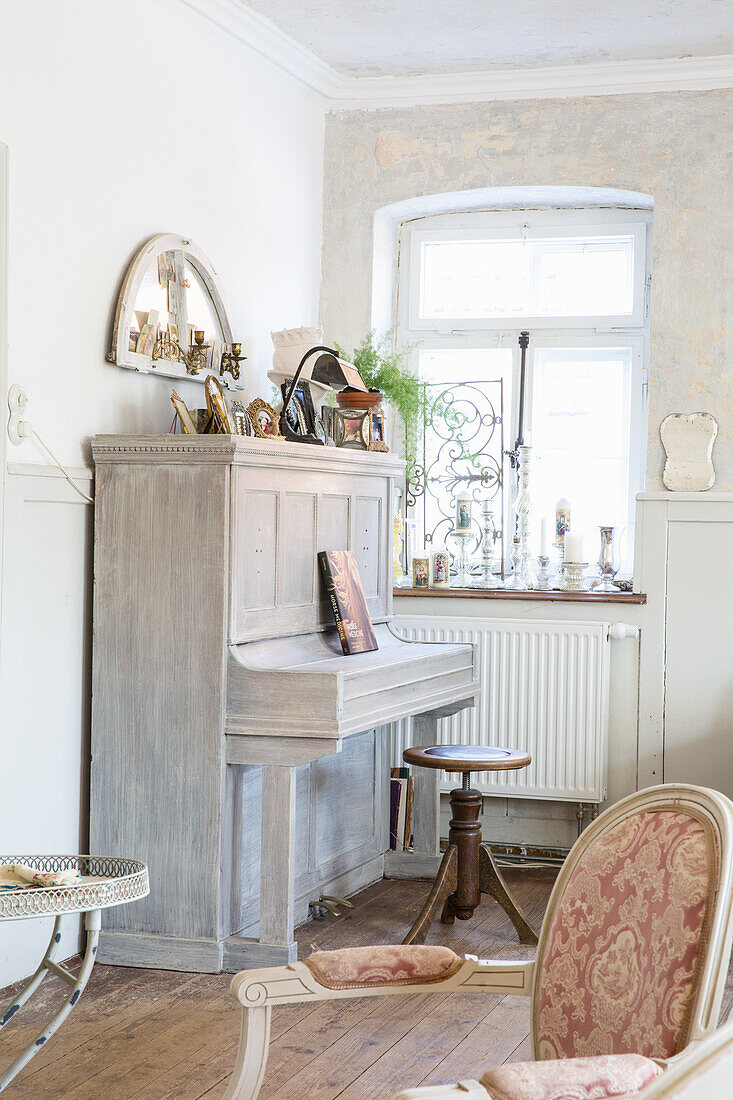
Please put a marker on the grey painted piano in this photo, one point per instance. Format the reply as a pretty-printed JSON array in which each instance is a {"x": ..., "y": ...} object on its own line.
[{"x": 234, "y": 748}]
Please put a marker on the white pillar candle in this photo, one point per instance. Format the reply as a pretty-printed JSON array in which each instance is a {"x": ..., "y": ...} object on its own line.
[
  {"x": 573, "y": 548},
  {"x": 543, "y": 537}
]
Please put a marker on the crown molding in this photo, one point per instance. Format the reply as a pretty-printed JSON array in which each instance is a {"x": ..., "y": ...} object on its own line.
[
  {"x": 562, "y": 81},
  {"x": 266, "y": 39},
  {"x": 338, "y": 91}
]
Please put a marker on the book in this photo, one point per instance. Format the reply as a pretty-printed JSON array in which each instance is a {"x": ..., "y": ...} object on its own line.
[
  {"x": 347, "y": 601},
  {"x": 400, "y": 809}
]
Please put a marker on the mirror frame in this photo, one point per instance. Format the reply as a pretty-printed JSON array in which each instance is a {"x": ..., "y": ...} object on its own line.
[{"x": 124, "y": 313}]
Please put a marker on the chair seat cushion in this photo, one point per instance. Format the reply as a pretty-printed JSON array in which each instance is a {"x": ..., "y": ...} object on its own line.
[
  {"x": 609, "y": 1075},
  {"x": 384, "y": 964}
]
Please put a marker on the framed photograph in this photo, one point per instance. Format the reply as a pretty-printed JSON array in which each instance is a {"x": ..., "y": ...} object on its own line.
[
  {"x": 303, "y": 400},
  {"x": 242, "y": 423},
  {"x": 217, "y": 406},
  {"x": 187, "y": 421},
  {"x": 421, "y": 572},
  {"x": 264, "y": 419},
  {"x": 296, "y": 415},
  {"x": 352, "y": 428}
]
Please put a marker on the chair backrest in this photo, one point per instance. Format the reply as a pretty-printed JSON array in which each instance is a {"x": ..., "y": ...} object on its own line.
[
  {"x": 704, "y": 1070},
  {"x": 634, "y": 948}
]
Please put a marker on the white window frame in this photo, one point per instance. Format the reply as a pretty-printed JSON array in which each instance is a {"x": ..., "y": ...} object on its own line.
[
  {"x": 521, "y": 225},
  {"x": 477, "y": 333}
]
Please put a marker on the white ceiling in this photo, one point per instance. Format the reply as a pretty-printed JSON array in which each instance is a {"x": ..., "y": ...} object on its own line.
[{"x": 409, "y": 37}]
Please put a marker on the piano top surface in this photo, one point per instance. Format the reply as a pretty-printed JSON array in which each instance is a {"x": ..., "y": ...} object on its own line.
[{"x": 321, "y": 652}]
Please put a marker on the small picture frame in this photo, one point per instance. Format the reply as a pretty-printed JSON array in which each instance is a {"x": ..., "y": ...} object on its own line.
[
  {"x": 242, "y": 422},
  {"x": 217, "y": 406},
  {"x": 303, "y": 401},
  {"x": 421, "y": 571},
  {"x": 264, "y": 419},
  {"x": 352, "y": 428},
  {"x": 187, "y": 421}
]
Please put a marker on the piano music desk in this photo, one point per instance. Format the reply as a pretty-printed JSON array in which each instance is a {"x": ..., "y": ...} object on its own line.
[{"x": 233, "y": 745}]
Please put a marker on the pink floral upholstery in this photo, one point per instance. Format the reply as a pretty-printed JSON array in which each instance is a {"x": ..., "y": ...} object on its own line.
[
  {"x": 609, "y": 1075},
  {"x": 622, "y": 955},
  {"x": 401, "y": 964}
]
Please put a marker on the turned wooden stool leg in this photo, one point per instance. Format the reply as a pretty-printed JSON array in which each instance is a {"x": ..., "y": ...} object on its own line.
[
  {"x": 465, "y": 836},
  {"x": 445, "y": 884},
  {"x": 491, "y": 881}
]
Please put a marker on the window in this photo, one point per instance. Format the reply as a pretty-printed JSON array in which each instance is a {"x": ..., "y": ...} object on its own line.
[{"x": 576, "y": 280}]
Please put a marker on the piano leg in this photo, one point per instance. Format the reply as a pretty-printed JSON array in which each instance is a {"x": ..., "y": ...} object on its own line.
[
  {"x": 277, "y": 875},
  {"x": 426, "y": 793}
]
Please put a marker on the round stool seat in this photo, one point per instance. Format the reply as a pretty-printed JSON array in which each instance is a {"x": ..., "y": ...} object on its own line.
[
  {"x": 468, "y": 868},
  {"x": 467, "y": 758}
]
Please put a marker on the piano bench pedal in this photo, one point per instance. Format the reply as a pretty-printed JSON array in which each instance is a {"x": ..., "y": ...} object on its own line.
[
  {"x": 321, "y": 907},
  {"x": 337, "y": 901}
]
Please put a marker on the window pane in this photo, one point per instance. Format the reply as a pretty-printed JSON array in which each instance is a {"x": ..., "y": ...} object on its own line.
[
  {"x": 585, "y": 280},
  {"x": 589, "y": 276},
  {"x": 474, "y": 279},
  {"x": 581, "y": 440}
]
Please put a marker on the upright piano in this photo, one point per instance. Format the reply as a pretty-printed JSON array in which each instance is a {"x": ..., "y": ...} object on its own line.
[{"x": 234, "y": 748}]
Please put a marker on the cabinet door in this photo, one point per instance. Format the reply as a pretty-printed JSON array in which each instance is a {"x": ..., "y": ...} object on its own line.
[{"x": 698, "y": 741}]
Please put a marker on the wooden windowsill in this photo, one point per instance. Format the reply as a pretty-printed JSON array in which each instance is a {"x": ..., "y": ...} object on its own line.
[{"x": 511, "y": 594}]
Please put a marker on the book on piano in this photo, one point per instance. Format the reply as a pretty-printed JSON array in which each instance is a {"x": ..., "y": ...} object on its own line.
[{"x": 347, "y": 600}]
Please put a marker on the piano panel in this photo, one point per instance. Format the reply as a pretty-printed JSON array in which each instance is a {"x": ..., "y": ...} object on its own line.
[
  {"x": 334, "y": 527},
  {"x": 368, "y": 527},
  {"x": 255, "y": 522},
  {"x": 297, "y": 573},
  {"x": 278, "y": 528}
]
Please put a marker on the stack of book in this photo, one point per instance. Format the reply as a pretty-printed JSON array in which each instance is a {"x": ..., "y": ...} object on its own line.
[{"x": 400, "y": 809}]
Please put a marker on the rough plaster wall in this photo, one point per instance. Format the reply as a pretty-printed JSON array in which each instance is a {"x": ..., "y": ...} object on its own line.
[{"x": 673, "y": 146}]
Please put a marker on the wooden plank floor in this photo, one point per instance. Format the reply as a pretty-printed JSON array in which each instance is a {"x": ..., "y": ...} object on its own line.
[{"x": 160, "y": 1035}]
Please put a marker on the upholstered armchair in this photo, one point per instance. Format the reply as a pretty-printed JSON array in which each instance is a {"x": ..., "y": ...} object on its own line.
[
  {"x": 703, "y": 1071},
  {"x": 631, "y": 959}
]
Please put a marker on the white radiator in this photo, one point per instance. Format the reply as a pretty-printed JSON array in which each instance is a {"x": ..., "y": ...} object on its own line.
[{"x": 545, "y": 690}]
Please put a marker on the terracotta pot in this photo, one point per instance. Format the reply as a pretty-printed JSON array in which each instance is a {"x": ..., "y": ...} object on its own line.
[{"x": 358, "y": 400}]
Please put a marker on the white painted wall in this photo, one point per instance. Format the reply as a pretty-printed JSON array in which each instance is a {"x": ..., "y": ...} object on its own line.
[{"x": 121, "y": 121}]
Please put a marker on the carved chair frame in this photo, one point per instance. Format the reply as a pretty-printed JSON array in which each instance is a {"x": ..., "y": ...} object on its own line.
[{"x": 259, "y": 990}]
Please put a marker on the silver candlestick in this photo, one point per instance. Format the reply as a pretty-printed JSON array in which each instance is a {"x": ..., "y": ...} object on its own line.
[
  {"x": 572, "y": 576},
  {"x": 543, "y": 577},
  {"x": 521, "y": 557},
  {"x": 608, "y": 560},
  {"x": 487, "y": 579},
  {"x": 462, "y": 561}
]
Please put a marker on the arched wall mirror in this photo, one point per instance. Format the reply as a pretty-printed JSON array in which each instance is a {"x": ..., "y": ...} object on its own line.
[{"x": 171, "y": 318}]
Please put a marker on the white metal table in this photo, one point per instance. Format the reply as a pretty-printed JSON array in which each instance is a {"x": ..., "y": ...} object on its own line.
[{"x": 105, "y": 881}]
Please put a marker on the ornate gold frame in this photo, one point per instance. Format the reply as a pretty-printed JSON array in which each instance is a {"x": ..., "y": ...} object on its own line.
[{"x": 257, "y": 406}]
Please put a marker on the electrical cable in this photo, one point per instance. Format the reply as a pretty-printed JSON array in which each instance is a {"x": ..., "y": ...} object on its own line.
[{"x": 30, "y": 430}]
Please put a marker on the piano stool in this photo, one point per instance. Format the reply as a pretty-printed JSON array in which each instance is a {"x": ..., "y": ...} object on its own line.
[{"x": 468, "y": 868}]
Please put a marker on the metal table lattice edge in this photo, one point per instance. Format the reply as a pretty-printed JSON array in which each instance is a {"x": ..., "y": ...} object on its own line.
[{"x": 119, "y": 881}]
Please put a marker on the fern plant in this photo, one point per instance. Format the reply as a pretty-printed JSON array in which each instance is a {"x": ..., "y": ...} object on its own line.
[{"x": 385, "y": 368}]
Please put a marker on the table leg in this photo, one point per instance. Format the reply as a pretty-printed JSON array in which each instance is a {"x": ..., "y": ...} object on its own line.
[
  {"x": 426, "y": 791},
  {"x": 491, "y": 881},
  {"x": 92, "y": 924},
  {"x": 277, "y": 875}
]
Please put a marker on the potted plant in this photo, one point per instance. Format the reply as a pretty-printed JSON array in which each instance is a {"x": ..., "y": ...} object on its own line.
[{"x": 385, "y": 369}]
